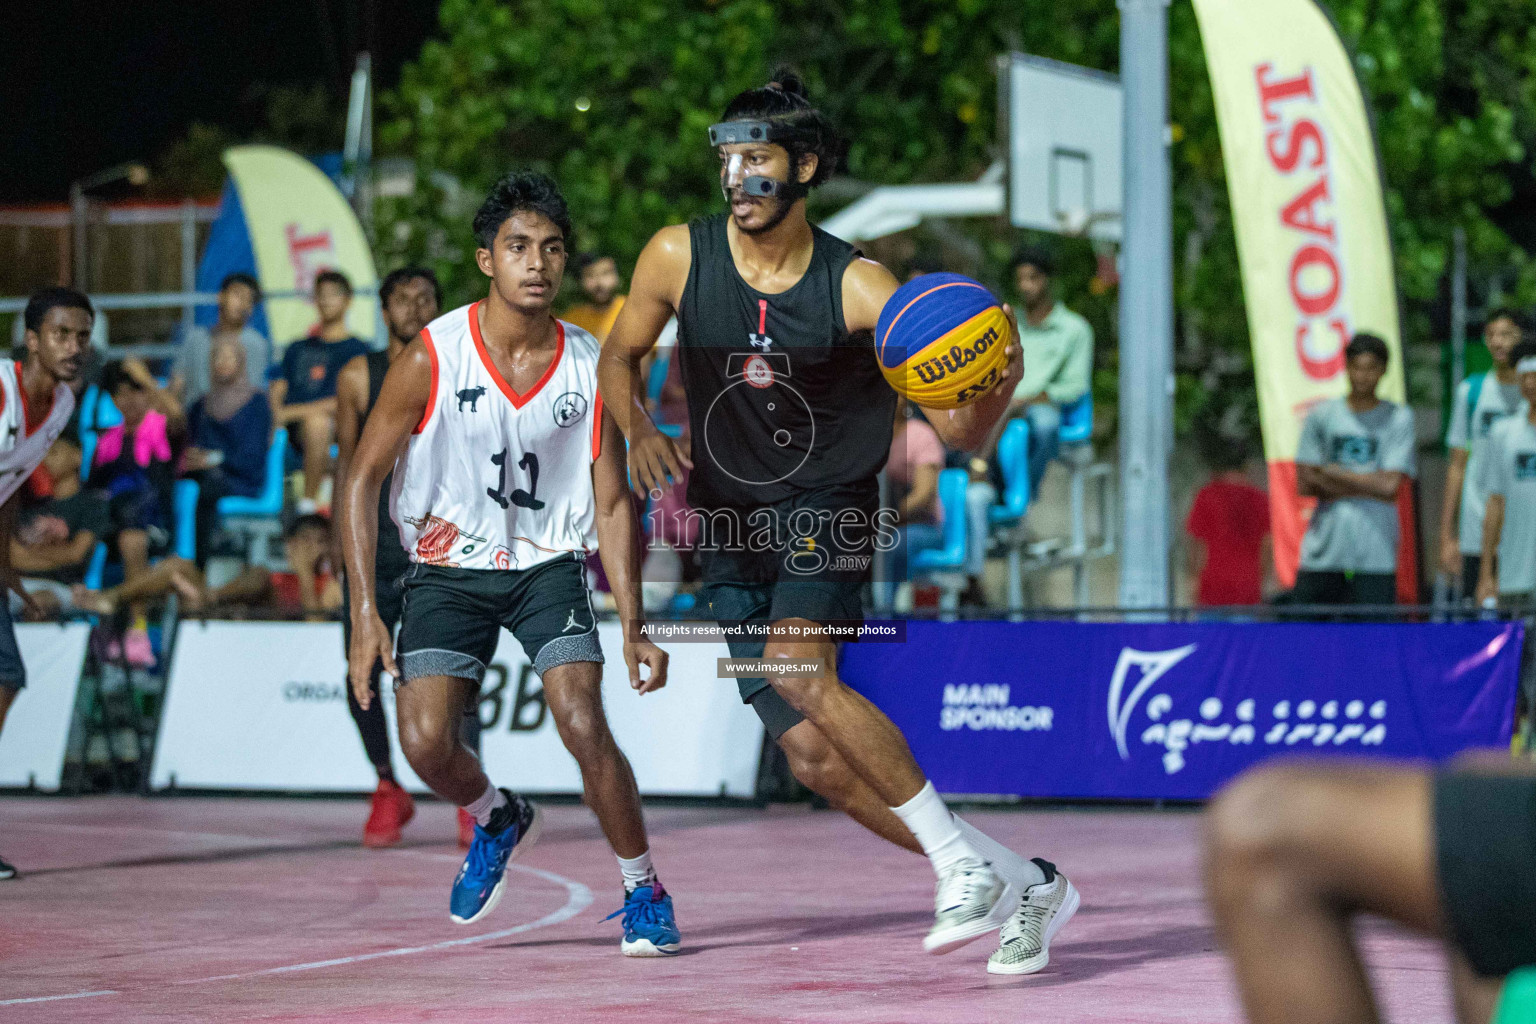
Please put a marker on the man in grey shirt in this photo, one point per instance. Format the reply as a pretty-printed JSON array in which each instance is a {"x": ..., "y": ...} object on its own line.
[
  {"x": 1481, "y": 401},
  {"x": 1508, "y": 571},
  {"x": 238, "y": 295},
  {"x": 1355, "y": 452}
]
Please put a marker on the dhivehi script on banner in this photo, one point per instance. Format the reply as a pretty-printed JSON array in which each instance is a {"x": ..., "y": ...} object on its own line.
[
  {"x": 263, "y": 706},
  {"x": 1311, "y": 225},
  {"x": 36, "y": 734}
]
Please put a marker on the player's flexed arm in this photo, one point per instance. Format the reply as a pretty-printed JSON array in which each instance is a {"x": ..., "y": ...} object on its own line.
[
  {"x": 655, "y": 291},
  {"x": 402, "y": 403},
  {"x": 618, "y": 541},
  {"x": 867, "y": 287}
]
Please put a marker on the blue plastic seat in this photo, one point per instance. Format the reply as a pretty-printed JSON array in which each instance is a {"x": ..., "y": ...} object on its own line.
[
  {"x": 270, "y": 501},
  {"x": 1077, "y": 420},
  {"x": 184, "y": 511},
  {"x": 1013, "y": 460},
  {"x": 658, "y": 375},
  {"x": 950, "y": 555},
  {"x": 96, "y": 571}
]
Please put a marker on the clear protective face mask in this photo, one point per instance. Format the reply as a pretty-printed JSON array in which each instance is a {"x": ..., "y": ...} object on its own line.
[{"x": 735, "y": 172}]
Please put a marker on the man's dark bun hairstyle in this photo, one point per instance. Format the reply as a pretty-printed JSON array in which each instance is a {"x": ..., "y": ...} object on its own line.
[{"x": 783, "y": 103}]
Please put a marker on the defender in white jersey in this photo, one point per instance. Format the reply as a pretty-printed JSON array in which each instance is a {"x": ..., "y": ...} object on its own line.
[
  {"x": 506, "y": 475},
  {"x": 35, "y": 406}
]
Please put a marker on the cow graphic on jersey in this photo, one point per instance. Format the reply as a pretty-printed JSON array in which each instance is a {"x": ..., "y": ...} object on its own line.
[{"x": 470, "y": 395}]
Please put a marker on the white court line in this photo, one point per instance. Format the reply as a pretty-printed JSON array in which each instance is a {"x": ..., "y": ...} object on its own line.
[
  {"x": 578, "y": 898},
  {"x": 54, "y": 999}
]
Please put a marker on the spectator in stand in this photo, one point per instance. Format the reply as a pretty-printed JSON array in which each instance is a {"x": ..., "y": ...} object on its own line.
[
  {"x": 1507, "y": 570},
  {"x": 1354, "y": 455},
  {"x": 912, "y": 470},
  {"x": 135, "y": 465},
  {"x": 1482, "y": 401},
  {"x": 53, "y": 543},
  {"x": 229, "y": 430},
  {"x": 303, "y": 393},
  {"x": 191, "y": 375},
  {"x": 1228, "y": 528},
  {"x": 599, "y": 278},
  {"x": 308, "y": 588},
  {"x": 1058, "y": 360}
]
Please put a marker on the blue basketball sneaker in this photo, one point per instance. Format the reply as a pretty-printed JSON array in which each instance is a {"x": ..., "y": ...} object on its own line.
[
  {"x": 513, "y": 828},
  {"x": 649, "y": 927}
]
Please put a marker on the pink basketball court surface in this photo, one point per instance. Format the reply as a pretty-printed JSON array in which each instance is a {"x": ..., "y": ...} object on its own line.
[{"x": 193, "y": 909}]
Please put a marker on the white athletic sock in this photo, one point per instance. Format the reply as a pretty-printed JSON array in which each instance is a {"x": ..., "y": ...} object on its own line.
[
  {"x": 936, "y": 830},
  {"x": 637, "y": 871},
  {"x": 1016, "y": 869},
  {"x": 488, "y": 801}
]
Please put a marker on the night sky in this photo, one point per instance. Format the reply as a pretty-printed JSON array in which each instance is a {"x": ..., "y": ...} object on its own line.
[{"x": 90, "y": 84}]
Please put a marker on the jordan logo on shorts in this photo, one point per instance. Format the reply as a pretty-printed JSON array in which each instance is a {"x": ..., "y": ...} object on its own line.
[{"x": 571, "y": 623}]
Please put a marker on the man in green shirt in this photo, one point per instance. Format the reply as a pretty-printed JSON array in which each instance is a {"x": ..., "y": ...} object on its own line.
[{"x": 1058, "y": 358}]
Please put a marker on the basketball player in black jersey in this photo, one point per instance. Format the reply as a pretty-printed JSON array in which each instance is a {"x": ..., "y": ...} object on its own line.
[
  {"x": 791, "y": 422},
  {"x": 410, "y": 298}
]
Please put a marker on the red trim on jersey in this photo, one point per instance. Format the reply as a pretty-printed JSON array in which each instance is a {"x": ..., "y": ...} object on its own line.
[
  {"x": 426, "y": 339},
  {"x": 517, "y": 400},
  {"x": 597, "y": 428},
  {"x": 26, "y": 406}
]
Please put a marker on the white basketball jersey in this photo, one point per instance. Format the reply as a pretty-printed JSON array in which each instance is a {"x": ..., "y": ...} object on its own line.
[
  {"x": 21, "y": 452},
  {"x": 493, "y": 479}
]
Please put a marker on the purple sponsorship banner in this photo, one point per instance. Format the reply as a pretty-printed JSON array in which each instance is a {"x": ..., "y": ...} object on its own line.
[{"x": 1118, "y": 710}]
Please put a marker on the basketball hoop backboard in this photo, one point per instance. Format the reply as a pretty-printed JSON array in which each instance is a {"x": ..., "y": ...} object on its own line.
[{"x": 1063, "y": 127}]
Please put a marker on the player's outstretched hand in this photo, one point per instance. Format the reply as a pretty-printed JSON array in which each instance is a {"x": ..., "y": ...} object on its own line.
[
  {"x": 643, "y": 652},
  {"x": 370, "y": 646},
  {"x": 655, "y": 463},
  {"x": 1015, "y": 352}
]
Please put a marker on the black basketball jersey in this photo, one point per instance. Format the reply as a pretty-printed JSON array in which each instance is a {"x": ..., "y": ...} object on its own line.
[
  {"x": 781, "y": 398},
  {"x": 390, "y": 559}
]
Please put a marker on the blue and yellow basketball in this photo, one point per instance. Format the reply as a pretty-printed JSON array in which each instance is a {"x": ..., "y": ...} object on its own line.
[{"x": 942, "y": 340}]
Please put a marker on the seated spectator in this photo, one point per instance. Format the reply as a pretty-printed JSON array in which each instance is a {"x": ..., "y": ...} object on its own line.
[
  {"x": 309, "y": 587},
  {"x": 1354, "y": 455},
  {"x": 191, "y": 375},
  {"x": 229, "y": 430},
  {"x": 912, "y": 470},
  {"x": 1507, "y": 571},
  {"x": 599, "y": 278},
  {"x": 303, "y": 393},
  {"x": 1058, "y": 361},
  {"x": 1228, "y": 529},
  {"x": 56, "y": 537},
  {"x": 135, "y": 465}
]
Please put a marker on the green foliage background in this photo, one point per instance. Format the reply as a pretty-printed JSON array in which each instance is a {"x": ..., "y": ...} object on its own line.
[{"x": 612, "y": 98}]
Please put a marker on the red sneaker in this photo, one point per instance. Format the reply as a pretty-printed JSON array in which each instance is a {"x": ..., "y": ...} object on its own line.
[
  {"x": 466, "y": 829},
  {"x": 390, "y": 809}
]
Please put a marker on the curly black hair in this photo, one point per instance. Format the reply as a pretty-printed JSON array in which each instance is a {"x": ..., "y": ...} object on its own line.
[{"x": 517, "y": 192}]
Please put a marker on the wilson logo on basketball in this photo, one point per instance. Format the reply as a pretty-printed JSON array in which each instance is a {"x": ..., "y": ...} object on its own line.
[{"x": 931, "y": 371}]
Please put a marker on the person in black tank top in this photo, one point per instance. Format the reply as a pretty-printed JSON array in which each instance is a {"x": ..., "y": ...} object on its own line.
[
  {"x": 800, "y": 403},
  {"x": 410, "y": 298},
  {"x": 791, "y": 422}
]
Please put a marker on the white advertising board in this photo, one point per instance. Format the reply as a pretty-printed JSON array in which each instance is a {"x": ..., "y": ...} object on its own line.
[
  {"x": 261, "y": 706},
  {"x": 36, "y": 732}
]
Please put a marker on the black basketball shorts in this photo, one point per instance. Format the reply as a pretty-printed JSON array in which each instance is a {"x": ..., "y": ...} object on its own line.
[
  {"x": 815, "y": 568},
  {"x": 452, "y": 618},
  {"x": 1485, "y": 839}
]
